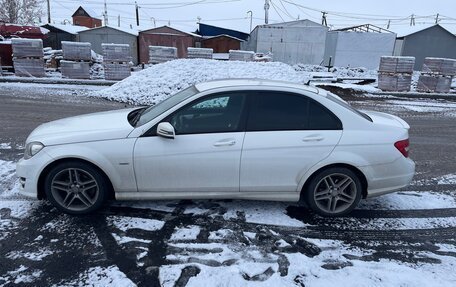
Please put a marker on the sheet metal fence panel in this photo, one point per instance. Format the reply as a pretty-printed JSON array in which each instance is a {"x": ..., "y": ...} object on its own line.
[
  {"x": 240, "y": 55},
  {"x": 199, "y": 53},
  {"x": 160, "y": 54},
  {"x": 116, "y": 71},
  {"x": 28, "y": 67},
  {"x": 77, "y": 51},
  {"x": 75, "y": 70},
  {"x": 27, "y": 48},
  {"x": 116, "y": 52}
]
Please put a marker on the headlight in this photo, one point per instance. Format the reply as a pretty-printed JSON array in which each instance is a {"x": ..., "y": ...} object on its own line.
[{"x": 32, "y": 149}]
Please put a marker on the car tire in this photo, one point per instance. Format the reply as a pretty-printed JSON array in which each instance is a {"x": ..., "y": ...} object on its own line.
[
  {"x": 333, "y": 192},
  {"x": 76, "y": 187}
]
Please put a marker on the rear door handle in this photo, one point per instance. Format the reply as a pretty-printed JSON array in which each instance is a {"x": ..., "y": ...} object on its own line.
[
  {"x": 225, "y": 143},
  {"x": 312, "y": 139}
]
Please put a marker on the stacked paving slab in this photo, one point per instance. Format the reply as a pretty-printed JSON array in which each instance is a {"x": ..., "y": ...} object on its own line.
[
  {"x": 395, "y": 73},
  {"x": 116, "y": 61},
  {"x": 28, "y": 57},
  {"x": 199, "y": 53},
  {"x": 76, "y": 60},
  {"x": 437, "y": 75},
  {"x": 160, "y": 54},
  {"x": 239, "y": 55}
]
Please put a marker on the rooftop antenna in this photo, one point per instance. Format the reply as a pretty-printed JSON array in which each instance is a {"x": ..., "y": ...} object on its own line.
[
  {"x": 437, "y": 18},
  {"x": 137, "y": 13},
  {"x": 251, "y": 16},
  {"x": 105, "y": 14},
  {"x": 412, "y": 20},
  {"x": 324, "y": 21}
]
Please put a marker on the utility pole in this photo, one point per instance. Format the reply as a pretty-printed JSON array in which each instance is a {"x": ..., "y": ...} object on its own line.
[
  {"x": 266, "y": 11},
  {"x": 324, "y": 22},
  {"x": 153, "y": 19},
  {"x": 389, "y": 24},
  {"x": 412, "y": 20},
  {"x": 118, "y": 20},
  {"x": 137, "y": 13},
  {"x": 105, "y": 14},
  {"x": 437, "y": 18},
  {"x": 49, "y": 11},
  {"x": 251, "y": 17}
]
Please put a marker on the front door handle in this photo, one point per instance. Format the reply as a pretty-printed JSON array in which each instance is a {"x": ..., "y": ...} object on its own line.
[
  {"x": 315, "y": 138},
  {"x": 229, "y": 142}
]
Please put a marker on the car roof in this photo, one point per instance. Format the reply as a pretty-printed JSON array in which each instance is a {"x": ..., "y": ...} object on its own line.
[{"x": 254, "y": 82}]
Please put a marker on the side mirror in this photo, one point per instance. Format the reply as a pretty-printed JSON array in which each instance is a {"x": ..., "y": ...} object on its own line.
[{"x": 166, "y": 130}]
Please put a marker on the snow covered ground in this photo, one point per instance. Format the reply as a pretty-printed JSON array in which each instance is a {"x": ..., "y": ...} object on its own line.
[{"x": 246, "y": 243}]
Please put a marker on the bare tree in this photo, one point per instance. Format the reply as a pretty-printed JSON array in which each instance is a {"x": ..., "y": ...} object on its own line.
[{"x": 21, "y": 11}]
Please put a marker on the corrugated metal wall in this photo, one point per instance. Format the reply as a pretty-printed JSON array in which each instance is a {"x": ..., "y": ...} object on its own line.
[
  {"x": 110, "y": 36},
  {"x": 164, "y": 36},
  {"x": 432, "y": 42},
  {"x": 358, "y": 49},
  {"x": 291, "y": 43}
]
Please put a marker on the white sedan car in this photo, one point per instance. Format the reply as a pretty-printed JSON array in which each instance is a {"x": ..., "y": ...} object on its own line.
[{"x": 230, "y": 139}]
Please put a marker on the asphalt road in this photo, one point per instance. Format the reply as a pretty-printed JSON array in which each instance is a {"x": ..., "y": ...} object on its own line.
[{"x": 82, "y": 242}]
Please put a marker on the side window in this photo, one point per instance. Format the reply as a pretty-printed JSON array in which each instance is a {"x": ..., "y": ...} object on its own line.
[
  {"x": 214, "y": 114},
  {"x": 320, "y": 118},
  {"x": 274, "y": 111}
]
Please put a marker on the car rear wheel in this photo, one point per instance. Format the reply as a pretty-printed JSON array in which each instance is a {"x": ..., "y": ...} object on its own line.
[
  {"x": 334, "y": 192},
  {"x": 76, "y": 187}
]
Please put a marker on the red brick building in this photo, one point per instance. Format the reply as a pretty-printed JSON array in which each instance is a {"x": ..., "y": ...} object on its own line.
[
  {"x": 166, "y": 36},
  {"x": 85, "y": 17}
]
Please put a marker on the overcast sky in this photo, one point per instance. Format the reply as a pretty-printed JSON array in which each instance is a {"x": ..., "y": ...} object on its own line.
[{"x": 232, "y": 14}]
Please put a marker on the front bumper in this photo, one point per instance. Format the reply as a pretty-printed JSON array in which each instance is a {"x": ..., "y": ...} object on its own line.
[{"x": 29, "y": 171}]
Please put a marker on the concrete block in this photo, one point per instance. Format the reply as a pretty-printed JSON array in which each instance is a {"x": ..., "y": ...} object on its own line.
[
  {"x": 159, "y": 54},
  {"x": 29, "y": 67},
  {"x": 77, "y": 51},
  {"x": 23, "y": 48},
  {"x": 75, "y": 70},
  {"x": 116, "y": 71}
]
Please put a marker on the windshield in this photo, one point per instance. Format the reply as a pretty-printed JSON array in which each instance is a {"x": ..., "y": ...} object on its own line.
[
  {"x": 347, "y": 106},
  {"x": 156, "y": 110}
]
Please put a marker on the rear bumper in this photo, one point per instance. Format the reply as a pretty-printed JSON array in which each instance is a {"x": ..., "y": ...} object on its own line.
[{"x": 383, "y": 179}]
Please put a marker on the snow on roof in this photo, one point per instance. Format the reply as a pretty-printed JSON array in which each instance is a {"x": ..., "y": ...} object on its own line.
[
  {"x": 166, "y": 26},
  {"x": 91, "y": 12},
  {"x": 132, "y": 31},
  {"x": 158, "y": 82},
  {"x": 69, "y": 28},
  {"x": 297, "y": 23},
  {"x": 223, "y": 35},
  {"x": 409, "y": 30}
]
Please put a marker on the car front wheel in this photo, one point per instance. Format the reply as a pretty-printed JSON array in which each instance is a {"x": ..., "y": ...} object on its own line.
[
  {"x": 76, "y": 187},
  {"x": 334, "y": 192}
]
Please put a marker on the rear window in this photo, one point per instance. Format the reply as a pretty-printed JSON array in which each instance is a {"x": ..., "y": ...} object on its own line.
[{"x": 348, "y": 107}]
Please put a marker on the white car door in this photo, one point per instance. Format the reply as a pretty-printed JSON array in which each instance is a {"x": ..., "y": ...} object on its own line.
[
  {"x": 205, "y": 153},
  {"x": 286, "y": 134}
]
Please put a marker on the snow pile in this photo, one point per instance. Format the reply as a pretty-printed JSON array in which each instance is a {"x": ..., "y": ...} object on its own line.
[
  {"x": 340, "y": 72},
  {"x": 158, "y": 82}
]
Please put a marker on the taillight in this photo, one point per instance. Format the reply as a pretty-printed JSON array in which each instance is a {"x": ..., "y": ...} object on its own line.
[{"x": 403, "y": 147}]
